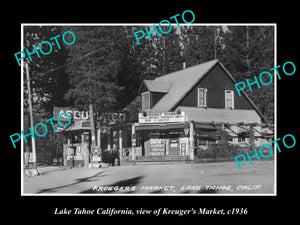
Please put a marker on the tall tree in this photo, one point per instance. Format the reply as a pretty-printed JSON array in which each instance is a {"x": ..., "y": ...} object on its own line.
[
  {"x": 167, "y": 48},
  {"x": 249, "y": 50},
  {"x": 48, "y": 83},
  {"x": 134, "y": 64},
  {"x": 152, "y": 58},
  {"x": 236, "y": 51},
  {"x": 201, "y": 43},
  {"x": 48, "y": 77},
  {"x": 93, "y": 75}
]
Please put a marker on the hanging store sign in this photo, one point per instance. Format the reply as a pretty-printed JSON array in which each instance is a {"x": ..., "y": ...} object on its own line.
[
  {"x": 162, "y": 117},
  {"x": 186, "y": 131}
]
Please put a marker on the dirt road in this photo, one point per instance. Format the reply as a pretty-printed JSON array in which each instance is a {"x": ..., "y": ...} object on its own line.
[{"x": 185, "y": 178}]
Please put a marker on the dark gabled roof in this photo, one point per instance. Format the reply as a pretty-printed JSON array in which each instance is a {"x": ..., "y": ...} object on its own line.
[{"x": 180, "y": 83}]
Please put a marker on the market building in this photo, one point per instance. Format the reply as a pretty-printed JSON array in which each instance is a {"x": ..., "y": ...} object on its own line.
[
  {"x": 181, "y": 111},
  {"x": 173, "y": 116}
]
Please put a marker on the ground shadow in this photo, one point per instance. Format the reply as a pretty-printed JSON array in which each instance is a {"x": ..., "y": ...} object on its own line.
[
  {"x": 77, "y": 181},
  {"x": 55, "y": 170},
  {"x": 157, "y": 192},
  {"x": 128, "y": 186},
  {"x": 201, "y": 191},
  {"x": 186, "y": 192},
  {"x": 205, "y": 191}
]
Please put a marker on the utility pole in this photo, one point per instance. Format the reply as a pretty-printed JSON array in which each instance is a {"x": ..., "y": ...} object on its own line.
[
  {"x": 31, "y": 116},
  {"x": 92, "y": 124}
]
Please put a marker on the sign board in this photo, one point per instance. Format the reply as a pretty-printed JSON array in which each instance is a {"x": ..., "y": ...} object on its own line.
[
  {"x": 30, "y": 157},
  {"x": 133, "y": 141},
  {"x": 162, "y": 117},
  {"x": 77, "y": 115},
  {"x": 86, "y": 124},
  {"x": 186, "y": 131},
  {"x": 157, "y": 146}
]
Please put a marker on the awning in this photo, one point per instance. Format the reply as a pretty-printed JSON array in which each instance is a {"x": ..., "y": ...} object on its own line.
[
  {"x": 207, "y": 126},
  {"x": 162, "y": 126},
  {"x": 78, "y": 125}
]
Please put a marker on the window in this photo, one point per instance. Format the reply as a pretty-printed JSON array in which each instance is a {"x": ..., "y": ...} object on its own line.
[
  {"x": 146, "y": 100},
  {"x": 229, "y": 99},
  {"x": 202, "y": 97}
]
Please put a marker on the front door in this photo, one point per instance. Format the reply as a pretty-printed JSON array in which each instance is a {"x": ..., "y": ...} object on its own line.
[{"x": 174, "y": 147}]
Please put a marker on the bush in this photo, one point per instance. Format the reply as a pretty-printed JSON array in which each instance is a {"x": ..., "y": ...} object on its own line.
[
  {"x": 218, "y": 151},
  {"x": 223, "y": 150}
]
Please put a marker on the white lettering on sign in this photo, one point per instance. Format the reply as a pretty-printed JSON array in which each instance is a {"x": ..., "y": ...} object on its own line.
[
  {"x": 84, "y": 115},
  {"x": 162, "y": 117}
]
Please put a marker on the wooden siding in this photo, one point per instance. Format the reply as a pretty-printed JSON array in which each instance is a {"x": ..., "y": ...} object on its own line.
[{"x": 216, "y": 81}]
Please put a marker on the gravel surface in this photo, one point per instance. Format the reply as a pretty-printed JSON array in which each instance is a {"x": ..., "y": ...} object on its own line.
[{"x": 183, "y": 178}]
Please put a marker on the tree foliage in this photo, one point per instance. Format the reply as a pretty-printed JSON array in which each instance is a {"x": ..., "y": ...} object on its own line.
[
  {"x": 48, "y": 83},
  {"x": 248, "y": 51},
  {"x": 245, "y": 51},
  {"x": 94, "y": 72},
  {"x": 106, "y": 65}
]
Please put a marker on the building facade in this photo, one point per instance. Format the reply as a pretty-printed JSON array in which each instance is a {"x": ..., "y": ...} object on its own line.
[{"x": 183, "y": 110}]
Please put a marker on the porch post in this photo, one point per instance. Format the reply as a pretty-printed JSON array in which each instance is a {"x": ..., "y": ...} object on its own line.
[
  {"x": 191, "y": 141},
  {"x": 133, "y": 142},
  {"x": 120, "y": 142},
  {"x": 99, "y": 137},
  {"x": 109, "y": 139}
]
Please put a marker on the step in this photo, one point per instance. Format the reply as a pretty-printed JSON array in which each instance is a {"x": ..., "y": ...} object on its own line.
[
  {"x": 159, "y": 162},
  {"x": 162, "y": 158}
]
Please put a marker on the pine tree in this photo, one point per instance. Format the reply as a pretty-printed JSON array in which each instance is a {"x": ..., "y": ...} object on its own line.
[
  {"x": 248, "y": 51},
  {"x": 245, "y": 51},
  {"x": 93, "y": 75},
  {"x": 48, "y": 77},
  {"x": 261, "y": 58},
  {"x": 236, "y": 52},
  {"x": 135, "y": 64},
  {"x": 168, "y": 52},
  {"x": 200, "y": 44},
  {"x": 150, "y": 59},
  {"x": 47, "y": 83}
]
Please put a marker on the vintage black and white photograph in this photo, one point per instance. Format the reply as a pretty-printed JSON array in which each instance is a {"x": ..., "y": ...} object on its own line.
[{"x": 148, "y": 109}]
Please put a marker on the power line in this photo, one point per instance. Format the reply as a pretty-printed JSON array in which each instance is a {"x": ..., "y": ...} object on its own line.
[{"x": 66, "y": 64}]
